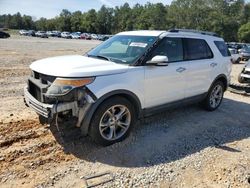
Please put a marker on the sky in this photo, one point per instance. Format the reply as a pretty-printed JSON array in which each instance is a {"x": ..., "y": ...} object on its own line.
[{"x": 52, "y": 8}]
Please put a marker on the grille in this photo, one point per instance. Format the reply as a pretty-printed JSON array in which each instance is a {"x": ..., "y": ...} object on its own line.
[
  {"x": 38, "y": 84},
  {"x": 247, "y": 72},
  {"x": 35, "y": 91}
]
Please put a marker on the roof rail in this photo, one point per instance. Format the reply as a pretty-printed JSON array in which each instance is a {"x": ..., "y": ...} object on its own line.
[{"x": 194, "y": 31}]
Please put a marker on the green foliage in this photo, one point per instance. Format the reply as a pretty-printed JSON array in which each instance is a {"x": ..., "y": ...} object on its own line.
[
  {"x": 211, "y": 15},
  {"x": 16, "y": 21},
  {"x": 104, "y": 21},
  {"x": 244, "y": 33}
]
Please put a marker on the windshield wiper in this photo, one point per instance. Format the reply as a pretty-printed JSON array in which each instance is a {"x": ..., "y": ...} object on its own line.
[{"x": 100, "y": 57}]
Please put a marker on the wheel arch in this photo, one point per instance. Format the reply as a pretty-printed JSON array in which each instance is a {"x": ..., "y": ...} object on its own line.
[
  {"x": 223, "y": 79},
  {"x": 130, "y": 96}
]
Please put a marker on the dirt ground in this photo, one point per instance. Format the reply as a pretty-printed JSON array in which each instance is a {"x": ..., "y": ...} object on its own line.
[{"x": 186, "y": 147}]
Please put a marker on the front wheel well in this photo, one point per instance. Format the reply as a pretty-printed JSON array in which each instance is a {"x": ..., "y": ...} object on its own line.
[{"x": 131, "y": 97}]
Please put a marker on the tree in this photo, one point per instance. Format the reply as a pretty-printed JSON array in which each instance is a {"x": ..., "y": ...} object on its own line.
[
  {"x": 244, "y": 33},
  {"x": 16, "y": 21},
  {"x": 123, "y": 18},
  {"x": 75, "y": 20},
  {"x": 28, "y": 22},
  {"x": 64, "y": 20},
  {"x": 41, "y": 24},
  {"x": 246, "y": 13},
  {"x": 104, "y": 20},
  {"x": 89, "y": 21}
]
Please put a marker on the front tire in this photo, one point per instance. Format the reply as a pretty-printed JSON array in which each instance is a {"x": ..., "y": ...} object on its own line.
[
  {"x": 214, "y": 96},
  {"x": 112, "y": 121}
]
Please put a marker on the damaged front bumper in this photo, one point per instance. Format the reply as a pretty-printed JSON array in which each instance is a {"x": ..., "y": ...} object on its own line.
[
  {"x": 77, "y": 109},
  {"x": 48, "y": 110}
]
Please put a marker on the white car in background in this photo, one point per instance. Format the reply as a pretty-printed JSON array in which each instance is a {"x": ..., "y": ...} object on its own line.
[
  {"x": 130, "y": 76},
  {"x": 76, "y": 35},
  {"x": 235, "y": 55},
  {"x": 244, "y": 76},
  {"x": 23, "y": 32},
  {"x": 66, "y": 35},
  {"x": 94, "y": 36}
]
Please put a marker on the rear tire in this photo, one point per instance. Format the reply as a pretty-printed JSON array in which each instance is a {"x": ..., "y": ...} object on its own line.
[
  {"x": 214, "y": 96},
  {"x": 112, "y": 121}
]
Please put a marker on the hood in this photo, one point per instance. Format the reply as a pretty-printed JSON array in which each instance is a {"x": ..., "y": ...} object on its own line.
[{"x": 76, "y": 66}]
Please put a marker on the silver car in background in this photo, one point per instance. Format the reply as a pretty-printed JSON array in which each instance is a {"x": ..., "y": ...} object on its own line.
[
  {"x": 244, "y": 76},
  {"x": 245, "y": 53},
  {"x": 235, "y": 55}
]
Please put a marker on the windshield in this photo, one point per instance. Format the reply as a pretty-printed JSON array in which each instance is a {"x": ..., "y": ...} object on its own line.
[{"x": 124, "y": 49}]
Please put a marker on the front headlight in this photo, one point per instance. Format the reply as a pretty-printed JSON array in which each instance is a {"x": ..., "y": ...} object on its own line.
[{"x": 62, "y": 86}]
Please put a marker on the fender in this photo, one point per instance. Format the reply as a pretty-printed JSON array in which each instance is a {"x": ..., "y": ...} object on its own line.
[
  {"x": 223, "y": 78},
  {"x": 89, "y": 114}
]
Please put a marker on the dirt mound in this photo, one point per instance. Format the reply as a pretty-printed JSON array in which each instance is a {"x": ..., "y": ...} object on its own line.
[{"x": 25, "y": 146}]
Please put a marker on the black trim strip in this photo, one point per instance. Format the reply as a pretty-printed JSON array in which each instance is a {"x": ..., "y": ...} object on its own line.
[{"x": 157, "y": 109}]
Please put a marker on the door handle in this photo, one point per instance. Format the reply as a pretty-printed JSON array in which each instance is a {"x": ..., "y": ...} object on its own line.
[
  {"x": 213, "y": 64},
  {"x": 180, "y": 69}
]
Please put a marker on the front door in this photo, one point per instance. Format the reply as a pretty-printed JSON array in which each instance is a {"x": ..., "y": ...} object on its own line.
[{"x": 165, "y": 84}]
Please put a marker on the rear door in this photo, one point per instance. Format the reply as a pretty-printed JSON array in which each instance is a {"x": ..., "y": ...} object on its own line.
[{"x": 201, "y": 66}]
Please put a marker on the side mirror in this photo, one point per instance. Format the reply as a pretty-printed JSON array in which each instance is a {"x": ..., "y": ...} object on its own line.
[{"x": 158, "y": 60}]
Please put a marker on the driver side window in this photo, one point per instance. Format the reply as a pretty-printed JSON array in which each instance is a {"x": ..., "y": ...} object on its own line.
[{"x": 170, "y": 47}]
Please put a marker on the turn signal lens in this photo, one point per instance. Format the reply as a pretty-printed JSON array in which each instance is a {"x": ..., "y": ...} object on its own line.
[{"x": 78, "y": 82}]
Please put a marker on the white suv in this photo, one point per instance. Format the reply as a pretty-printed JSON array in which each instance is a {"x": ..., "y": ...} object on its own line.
[{"x": 132, "y": 75}]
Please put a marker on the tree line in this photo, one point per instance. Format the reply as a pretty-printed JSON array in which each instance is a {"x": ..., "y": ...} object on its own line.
[{"x": 228, "y": 18}]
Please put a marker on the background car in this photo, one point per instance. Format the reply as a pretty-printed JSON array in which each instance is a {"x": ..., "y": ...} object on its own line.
[
  {"x": 4, "y": 34},
  {"x": 41, "y": 34},
  {"x": 240, "y": 46},
  {"x": 235, "y": 55},
  {"x": 49, "y": 33},
  {"x": 55, "y": 33},
  {"x": 244, "y": 76},
  {"x": 31, "y": 33},
  {"x": 245, "y": 53},
  {"x": 103, "y": 37},
  {"x": 66, "y": 35},
  {"x": 23, "y": 32},
  {"x": 76, "y": 35},
  {"x": 85, "y": 36},
  {"x": 94, "y": 36}
]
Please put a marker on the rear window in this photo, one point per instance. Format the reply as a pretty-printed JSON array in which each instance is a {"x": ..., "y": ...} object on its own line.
[
  {"x": 197, "y": 49},
  {"x": 222, "y": 47}
]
